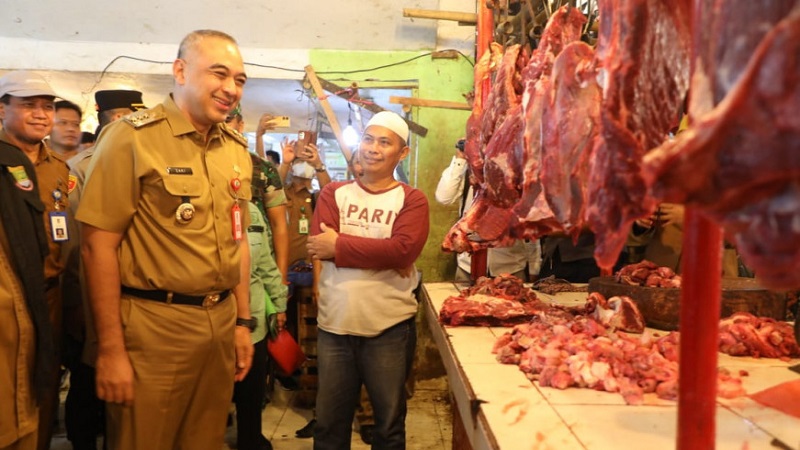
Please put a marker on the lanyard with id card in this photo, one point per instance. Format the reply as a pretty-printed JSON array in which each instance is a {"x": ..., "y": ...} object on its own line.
[
  {"x": 236, "y": 211},
  {"x": 59, "y": 231}
]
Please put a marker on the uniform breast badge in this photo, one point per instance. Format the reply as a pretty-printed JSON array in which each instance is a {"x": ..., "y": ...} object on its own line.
[{"x": 185, "y": 212}]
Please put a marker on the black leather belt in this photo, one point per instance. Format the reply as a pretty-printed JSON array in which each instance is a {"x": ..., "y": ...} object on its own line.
[
  {"x": 178, "y": 299},
  {"x": 255, "y": 229}
]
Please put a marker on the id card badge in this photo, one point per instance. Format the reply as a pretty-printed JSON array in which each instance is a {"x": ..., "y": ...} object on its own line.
[
  {"x": 302, "y": 225},
  {"x": 58, "y": 226},
  {"x": 236, "y": 221}
]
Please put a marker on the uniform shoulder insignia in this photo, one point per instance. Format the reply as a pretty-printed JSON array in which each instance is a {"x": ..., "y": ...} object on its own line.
[
  {"x": 143, "y": 117},
  {"x": 235, "y": 134}
]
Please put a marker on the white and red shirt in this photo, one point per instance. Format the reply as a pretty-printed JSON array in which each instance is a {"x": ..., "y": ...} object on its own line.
[{"x": 361, "y": 290}]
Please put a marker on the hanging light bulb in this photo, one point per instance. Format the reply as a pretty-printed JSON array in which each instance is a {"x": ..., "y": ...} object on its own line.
[{"x": 349, "y": 133}]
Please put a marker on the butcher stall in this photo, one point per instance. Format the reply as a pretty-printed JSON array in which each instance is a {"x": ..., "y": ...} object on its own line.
[
  {"x": 497, "y": 407},
  {"x": 587, "y": 116}
]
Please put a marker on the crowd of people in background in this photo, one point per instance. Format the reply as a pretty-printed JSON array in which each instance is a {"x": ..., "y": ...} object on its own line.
[{"x": 149, "y": 260}]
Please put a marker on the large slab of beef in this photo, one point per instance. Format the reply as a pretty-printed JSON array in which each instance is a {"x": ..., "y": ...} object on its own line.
[
  {"x": 739, "y": 161},
  {"x": 498, "y": 301},
  {"x": 533, "y": 216},
  {"x": 570, "y": 127},
  {"x": 643, "y": 57}
]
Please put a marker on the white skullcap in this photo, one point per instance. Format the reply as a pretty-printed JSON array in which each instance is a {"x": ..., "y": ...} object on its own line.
[{"x": 392, "y": 121}]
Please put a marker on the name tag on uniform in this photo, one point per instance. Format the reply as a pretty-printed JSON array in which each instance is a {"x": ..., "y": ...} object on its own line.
[
  {"x": 58, "y": 226},
  {"x": 179, "y": 170}
]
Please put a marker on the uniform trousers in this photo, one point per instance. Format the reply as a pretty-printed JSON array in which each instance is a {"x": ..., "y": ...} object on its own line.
[
  {"x": 83, "y": 411},
  {"x": 48, "y": 406},
  {"x": 183, "y": 360},
  {"x": 248, "y": 395},
  {"x": 382, "y": 364},
  {"x": 27, "y": 442}
]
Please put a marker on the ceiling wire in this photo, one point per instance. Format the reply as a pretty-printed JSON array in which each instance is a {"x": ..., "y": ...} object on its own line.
[{"x": 285, "y": 69}]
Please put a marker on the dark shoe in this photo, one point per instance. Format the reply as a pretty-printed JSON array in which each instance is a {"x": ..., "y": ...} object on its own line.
[
  {"x": 288, "y": 383},
  {"x": 307, "y": 431},
  {"x": 265, "y": 444},
  {"x": 366, "y": 433}
]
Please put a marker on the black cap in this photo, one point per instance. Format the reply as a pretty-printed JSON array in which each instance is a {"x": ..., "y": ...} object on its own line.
[
  {"x": 87, "y": 137},
  {"x": 118, "y": 98}
]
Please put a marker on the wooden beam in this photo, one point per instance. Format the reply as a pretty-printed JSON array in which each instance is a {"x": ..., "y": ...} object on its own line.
[
  {"x": 373, "y": 108},
  {"x": 326, "y": 107},
  {"x": 462, "y": 17},
  {"x": 410, "y": 101}
]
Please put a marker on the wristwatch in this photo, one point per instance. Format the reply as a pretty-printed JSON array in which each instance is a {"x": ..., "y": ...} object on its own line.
[
  {"x": 249, "y": 323},
  {"x": 321, "y": 168}
]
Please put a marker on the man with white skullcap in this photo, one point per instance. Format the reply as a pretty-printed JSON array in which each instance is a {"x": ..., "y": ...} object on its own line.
[{"x": 365, "y": 236}]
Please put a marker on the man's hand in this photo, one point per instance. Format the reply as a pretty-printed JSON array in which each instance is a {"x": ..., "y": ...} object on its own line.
[
  {"x": 287, "y": 151},
  {"x": 323, "y": 245},
  {"x": 280, "y": 319},
  {"x": 265, "y": 123},
  {"x": 311, "y": 155},
  {"x": 671, "y": 214},
  {"x": 114, "y": 377},
  {"x": 244, "y": 352}
]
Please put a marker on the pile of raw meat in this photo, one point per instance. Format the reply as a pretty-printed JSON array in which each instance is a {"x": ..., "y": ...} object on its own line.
[
  {"x": 582, "y": 351},
  {"x": 579, "y": 352},
  {"x": 573, "y": 137},
  {"x": 499, "y": 301},
  {"x": 647, "y": 273},
  {"x": 744, "y": 334},
  {"x": 504, "y": 301}
]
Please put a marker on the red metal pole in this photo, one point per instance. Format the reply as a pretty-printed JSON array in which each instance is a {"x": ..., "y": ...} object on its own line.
[
  {"x": 699, "y": 326},
  {"x": 485, "y": 36}
]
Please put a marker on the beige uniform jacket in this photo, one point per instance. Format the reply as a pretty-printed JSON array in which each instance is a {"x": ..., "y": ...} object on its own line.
[{"x": 144, "y": 168}]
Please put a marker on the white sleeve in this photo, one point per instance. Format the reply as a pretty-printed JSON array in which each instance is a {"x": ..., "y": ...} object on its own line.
[{"x": 451, "y": 183}]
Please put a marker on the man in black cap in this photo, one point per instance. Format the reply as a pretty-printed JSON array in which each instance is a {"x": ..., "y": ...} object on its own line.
[
  {"x": 115, "y": 103},
  {"x": 83, "y": 411}
]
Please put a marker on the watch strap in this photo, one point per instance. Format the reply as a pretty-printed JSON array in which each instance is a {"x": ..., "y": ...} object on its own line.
[{"x": 250, "y": 323}]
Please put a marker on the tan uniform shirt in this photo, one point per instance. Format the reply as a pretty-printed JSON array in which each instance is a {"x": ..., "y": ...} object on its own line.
[
  {"x": 18, "y": 413},
  {"x": 298, "y": 204},
  {"x": 146, "y": 166}
]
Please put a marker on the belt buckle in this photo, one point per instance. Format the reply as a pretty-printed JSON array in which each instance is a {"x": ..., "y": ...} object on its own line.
[{"x": 210, "y": 300}]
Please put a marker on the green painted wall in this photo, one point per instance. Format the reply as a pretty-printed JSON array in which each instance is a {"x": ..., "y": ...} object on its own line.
[{"x": 438, "y": 79}]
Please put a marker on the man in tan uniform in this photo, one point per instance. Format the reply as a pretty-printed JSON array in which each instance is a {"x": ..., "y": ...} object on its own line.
[
  {"x": 27, "y": 117},
  {"x": 27, "y": 361},
  {"x": 163, "y": 214}
]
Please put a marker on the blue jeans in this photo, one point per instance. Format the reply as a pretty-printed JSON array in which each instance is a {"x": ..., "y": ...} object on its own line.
[{"x": 382, "y": 364}]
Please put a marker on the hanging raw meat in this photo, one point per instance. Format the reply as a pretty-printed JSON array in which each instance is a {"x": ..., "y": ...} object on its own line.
[
  {"x": 501, "y": 171},
  {"x": 643, "y": 60},
  {"x": 533, "y": 217},
  {"x": 739, "y": 161},
  {"x": 570, "y": 128},
  {"x": 473, "y": 146}
]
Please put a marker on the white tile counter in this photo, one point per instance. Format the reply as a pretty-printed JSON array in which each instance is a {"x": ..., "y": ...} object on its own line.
[{"x": 501, "y": 409}]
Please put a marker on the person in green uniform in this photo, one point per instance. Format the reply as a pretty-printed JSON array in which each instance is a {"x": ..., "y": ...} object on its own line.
[{"x": 164, "y": 214}]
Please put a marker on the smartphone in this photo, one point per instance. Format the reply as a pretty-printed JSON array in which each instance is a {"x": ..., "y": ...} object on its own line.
[
  {"x": 281, "y": 121},
  {"x": 304, "y": 138}
]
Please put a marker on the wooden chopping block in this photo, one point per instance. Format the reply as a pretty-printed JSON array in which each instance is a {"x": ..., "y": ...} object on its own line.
[{"x": 661, "y": 306}]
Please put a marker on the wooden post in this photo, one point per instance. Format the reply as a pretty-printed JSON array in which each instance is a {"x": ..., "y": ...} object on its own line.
[
  {"x": 326, "y": 107},
  {"x": 461, "y": 17},
  {"x": 411, "y": 101}
]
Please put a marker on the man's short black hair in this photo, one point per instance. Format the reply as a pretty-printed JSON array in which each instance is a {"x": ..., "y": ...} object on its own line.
[{"x": 66, "y": 104}]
